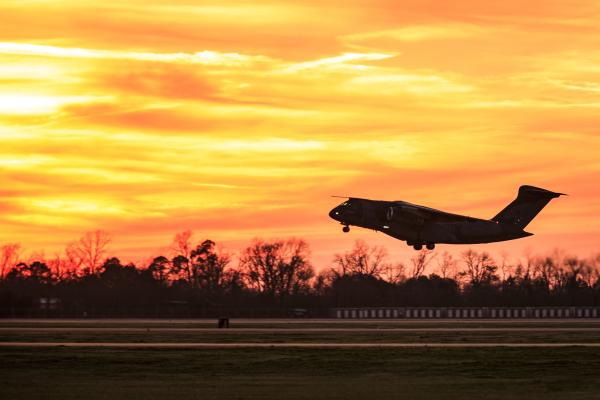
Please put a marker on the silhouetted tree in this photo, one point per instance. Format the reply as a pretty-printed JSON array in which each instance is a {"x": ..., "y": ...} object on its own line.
[
  {"x": 89, "y": 251},
  {"x": 362, "y": 260},
  {"x": 209, "y": 267},
  {"x": 9, "y": 257},
  {"x": 419, "y": 262},
  {"x": 277, "y": 268},
  {"x": 447, "y": 266},
  {"x": 182, "y": 248},
  {"x": 160, "y": 268},
  {"x": 480, "y": 268},
  {"x": 36, "y": 271},
  {"x": 180, "y": 265},
  {"x": 201, "y": 282}
]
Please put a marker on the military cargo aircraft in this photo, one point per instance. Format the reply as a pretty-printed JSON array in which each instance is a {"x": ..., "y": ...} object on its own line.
[{"x": 423, "y": 226}]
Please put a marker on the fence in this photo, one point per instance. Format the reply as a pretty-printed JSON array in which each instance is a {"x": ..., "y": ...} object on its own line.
[{"x": 466, "y": 313}]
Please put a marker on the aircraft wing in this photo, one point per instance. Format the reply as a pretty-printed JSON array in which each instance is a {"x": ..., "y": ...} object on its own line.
[{"x": 407, "y": 212}]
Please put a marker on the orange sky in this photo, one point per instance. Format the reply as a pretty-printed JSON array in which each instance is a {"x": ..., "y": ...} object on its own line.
[{"x": 239, "y": 119}]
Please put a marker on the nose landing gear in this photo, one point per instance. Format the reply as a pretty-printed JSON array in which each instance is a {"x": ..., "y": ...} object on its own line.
[{"x": 346, "y": 229}]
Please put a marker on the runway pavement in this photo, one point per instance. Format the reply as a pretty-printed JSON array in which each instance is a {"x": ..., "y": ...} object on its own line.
[
  {"x": 240, "y": 331},
  {"x": 286, "y": 345},
  {"x": 290, "y": 321},
  {"x": 296, "y": 333}
]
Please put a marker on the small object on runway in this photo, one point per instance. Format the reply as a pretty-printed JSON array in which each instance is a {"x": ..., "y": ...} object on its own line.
[{"x": 223, "y": 322}]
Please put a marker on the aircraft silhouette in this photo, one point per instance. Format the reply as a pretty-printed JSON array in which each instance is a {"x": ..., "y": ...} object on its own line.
[{"x": 419, "y": 225}]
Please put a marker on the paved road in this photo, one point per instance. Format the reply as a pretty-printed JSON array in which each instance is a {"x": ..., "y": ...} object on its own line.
[
  {"x": 290, "y": 321},
  {"x": 299, "y": 329},
  {"x": 286, "y": 345}
]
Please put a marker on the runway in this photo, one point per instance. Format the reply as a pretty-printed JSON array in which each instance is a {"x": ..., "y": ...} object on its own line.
[
  {"x": 291, "y": 321},
  {"x": 296, "y": 330},
  {"x": 298, "y": 333},
  {"x": 137, "y": 345}
]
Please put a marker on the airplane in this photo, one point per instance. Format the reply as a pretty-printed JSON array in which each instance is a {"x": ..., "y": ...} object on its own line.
[{"x": 424, "y": 226}]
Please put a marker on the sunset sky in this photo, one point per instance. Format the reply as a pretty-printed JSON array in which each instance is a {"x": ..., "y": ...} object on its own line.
[{"x": 240, "y": 119}]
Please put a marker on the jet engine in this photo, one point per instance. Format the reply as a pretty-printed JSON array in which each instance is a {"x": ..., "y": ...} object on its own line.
[{"x": 405, "y": 214}]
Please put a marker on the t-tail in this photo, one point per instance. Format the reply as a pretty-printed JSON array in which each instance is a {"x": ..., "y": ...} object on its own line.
[{"x": 526, "y": 206}]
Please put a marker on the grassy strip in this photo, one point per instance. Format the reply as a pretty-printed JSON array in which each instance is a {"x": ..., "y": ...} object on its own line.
[
  {"x": 328, "y": 337},
  {"x": 494, "y": 373}
]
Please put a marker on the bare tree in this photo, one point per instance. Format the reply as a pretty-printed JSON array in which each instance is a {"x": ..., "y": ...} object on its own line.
[
  {"x": 9, "y": 257},
  {"x": 277, "y": 268},
  {"x": 588, "y": 272},
  {"x": 447, "y": 266},
  {"x": 527, "y": 266},
  {"x": 89, "y": 251},
  {"x": 72, "y": 259},
  {"x": 505, "y": 266},
  {"x": 182, "y": 244},
  {"x": 420, "y": 262},
  {"x": 182, "y": 248},
  {"x": 547, "y": 269},
  {"x": 480, "y": 267},
  {"x": 394, "y": 273},
  {"x": 575, "y": 268},
  {"x": 362, "y": 260},
  {"x": 59, "y": 266},
  {"x": 38, "y": 255}
]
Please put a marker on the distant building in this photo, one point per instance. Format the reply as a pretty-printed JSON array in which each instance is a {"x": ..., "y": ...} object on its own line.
[
  {"x": 48, "y": 303},
  {"x": 465, "y": 312}
]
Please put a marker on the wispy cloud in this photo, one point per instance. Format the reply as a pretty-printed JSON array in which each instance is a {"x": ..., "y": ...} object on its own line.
[
  {"x": 205, "y": 57},
  {"x": 419, "y": 33}
]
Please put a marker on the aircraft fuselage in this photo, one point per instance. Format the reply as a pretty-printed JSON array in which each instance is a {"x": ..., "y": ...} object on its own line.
[{"x": 419, "y": 225}]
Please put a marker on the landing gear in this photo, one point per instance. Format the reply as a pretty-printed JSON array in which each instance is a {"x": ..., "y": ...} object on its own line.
[
  {"x": 417, "y": 246},
  {"x": 430, "y": 246},
  {"x": 346, "y": 229}
]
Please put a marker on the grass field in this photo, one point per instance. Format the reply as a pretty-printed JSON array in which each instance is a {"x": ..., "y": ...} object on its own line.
[
  {"x": 293, "y": 373},
  {"x": 495, "y": 373}
]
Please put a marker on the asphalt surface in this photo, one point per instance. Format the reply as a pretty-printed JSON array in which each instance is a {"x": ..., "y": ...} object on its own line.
[
  {"x": 290, "y": 321},
  {"x": 285, "y": 345},
  {"x": 287, "y": 330},
  {"x": 373, "y": 327}
]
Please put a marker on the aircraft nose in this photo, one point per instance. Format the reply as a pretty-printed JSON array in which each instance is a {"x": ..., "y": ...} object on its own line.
[{"x": 335, "y": 213}]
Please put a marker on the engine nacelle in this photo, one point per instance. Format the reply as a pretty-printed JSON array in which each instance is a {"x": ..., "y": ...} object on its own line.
[{"x": 405, "y": 214}]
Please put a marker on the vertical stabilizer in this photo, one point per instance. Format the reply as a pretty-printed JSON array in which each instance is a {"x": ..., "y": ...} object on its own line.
[{"x": 526, "y": 206}]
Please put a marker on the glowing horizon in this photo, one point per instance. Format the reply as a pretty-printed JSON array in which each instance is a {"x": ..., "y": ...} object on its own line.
[{"x": 239, "y": 120}]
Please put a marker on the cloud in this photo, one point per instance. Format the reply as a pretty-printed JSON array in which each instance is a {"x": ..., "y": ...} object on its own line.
[
  {"x": 344, "y": 60},
  {"x": 204, "y": 57},
  {"x": 418, "y": 33}
]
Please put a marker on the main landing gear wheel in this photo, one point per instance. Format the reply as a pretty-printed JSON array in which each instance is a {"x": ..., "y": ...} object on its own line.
[
  {"x": 346, "y": 229},
  {"x": 430, "y": 246},
  {"x": 417, "y": 246}
]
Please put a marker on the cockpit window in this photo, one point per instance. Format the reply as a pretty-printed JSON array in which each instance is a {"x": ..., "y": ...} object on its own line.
[{"x": 345, "y": 204}]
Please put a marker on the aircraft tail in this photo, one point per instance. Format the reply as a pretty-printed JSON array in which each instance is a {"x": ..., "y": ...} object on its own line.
[{"x": 526, "y": 206}]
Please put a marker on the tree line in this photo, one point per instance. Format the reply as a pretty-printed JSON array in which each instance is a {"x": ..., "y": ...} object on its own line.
[{"x": 271, "y": 277}]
